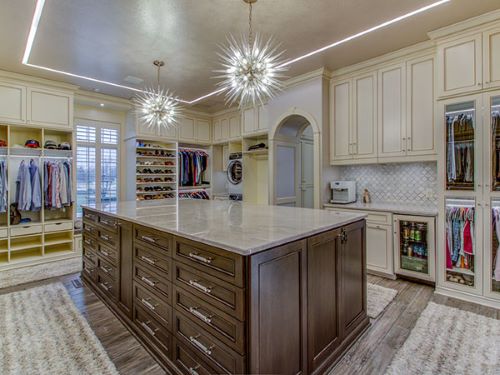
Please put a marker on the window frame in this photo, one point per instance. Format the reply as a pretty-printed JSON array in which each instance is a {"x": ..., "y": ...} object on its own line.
[{"x": 98, "y": 125}]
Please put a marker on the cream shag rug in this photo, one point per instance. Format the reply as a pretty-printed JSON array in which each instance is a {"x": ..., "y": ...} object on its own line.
[
  {"x": 43, "y": 333},
  {"x": 450, "y": 341},
  {"x": 40, "y": 272},
  {"x": 378, "y": 298}
]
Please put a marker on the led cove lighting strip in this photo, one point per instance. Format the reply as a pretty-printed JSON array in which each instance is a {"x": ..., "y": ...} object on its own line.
[{"x": 38, "y": 13}]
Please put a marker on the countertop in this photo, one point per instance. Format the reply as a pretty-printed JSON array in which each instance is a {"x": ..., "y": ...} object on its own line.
[
  {"x": 394, "y": 207},
  {"x": 238, "y": 227}
]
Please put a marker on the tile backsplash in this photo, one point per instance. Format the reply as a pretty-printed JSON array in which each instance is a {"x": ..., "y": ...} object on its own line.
[{"x": 408, "y": 182}]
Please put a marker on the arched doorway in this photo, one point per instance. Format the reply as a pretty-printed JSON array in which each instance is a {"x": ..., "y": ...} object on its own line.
[{"x": 294, "y": 156}]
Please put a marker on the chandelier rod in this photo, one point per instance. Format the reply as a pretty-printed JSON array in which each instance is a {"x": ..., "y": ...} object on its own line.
[
  {"x": 158, "y": 64},
  {"x": 250, "y": 31}
]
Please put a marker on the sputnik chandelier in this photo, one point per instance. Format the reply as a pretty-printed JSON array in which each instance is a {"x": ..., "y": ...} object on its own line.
[
  {"x": 252, "y": 69},
  {"x": 157, "y": 107}
]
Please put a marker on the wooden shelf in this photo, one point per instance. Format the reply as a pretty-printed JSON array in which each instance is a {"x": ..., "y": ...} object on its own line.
[
  {"x": 157, "y": 183},
  {"x": 264, "y": 151},
  {"x": 155, "y": 148},
  {"x": 462, "y": 271},
  {"x": 156, "y": 192},
  {"x": 155, "y": 174}
]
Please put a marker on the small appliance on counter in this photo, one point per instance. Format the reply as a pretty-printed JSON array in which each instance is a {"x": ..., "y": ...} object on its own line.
[{"x": 343, "y": 192}]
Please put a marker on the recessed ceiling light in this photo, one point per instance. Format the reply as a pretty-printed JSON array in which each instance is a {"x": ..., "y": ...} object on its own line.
[
  {"x": 102, "y": 104},
  {"x": 40, "y": 4},
  {"x": 97, "y": 90},
  {"x": 133, "y": 80}
]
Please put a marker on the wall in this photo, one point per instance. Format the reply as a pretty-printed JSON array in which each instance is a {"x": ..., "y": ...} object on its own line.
[{"x": 411, "y": 182}]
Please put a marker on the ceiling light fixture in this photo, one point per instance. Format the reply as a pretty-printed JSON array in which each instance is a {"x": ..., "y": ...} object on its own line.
[
  {"x": 157, "y": 107},
  {"x": 251, "y": 69},
  {"x": 40, "y": 5}
]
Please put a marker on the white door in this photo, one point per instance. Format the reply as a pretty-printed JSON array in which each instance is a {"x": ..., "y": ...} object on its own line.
[
  {"x": 379, "y": 248},
  {"x": 364, "y": 129},
  {"x": 340, "y": 137},
  {"x": 234, "y": 127},
  {"x": 186, "y": 129},
  {"x": 286, "y": 176},
  {"x": 307, "y": 173},
  {"x": 491, "y": 58}
]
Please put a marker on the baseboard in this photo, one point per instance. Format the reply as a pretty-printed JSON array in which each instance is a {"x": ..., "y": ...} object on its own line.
[{"x": 468, "y": 297}]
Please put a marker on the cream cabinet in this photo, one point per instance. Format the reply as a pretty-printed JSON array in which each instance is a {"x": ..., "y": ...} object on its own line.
[
  {"x": 12, "y": 103},
  {"x": 49, "y": 108},
  {"x": 250, "y": 120},
  {"x": 170, "y": 132},
  {"x": 234, "y": 126},
  {"x": 186, "y": 129},
  {"x": 379, "y": 253},
  {"x": 202, "y": 131},
  {"x": 340, "y": 134},
  {"x": 491, "y": 58},
  {"x": 226, "y": 127}
]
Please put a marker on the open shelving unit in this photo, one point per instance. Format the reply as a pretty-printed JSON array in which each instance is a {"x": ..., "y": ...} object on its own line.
[{"x": 189, "y": 190}]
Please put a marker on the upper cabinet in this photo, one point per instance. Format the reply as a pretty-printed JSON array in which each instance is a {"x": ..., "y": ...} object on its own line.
[
  {"x": 254, "y": 120},
  {"x": 340, "y": 134},
  {"x": 226, "y": 127},
  {"x": 12, "y": 103},
  {"x": 202, "y": 131},
  {"x": 491, "y": 58}
]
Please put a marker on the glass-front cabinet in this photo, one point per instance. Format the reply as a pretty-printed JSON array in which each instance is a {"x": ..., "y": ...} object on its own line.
[
  {"x": 495, "y": 142},
  {"x": 414, "y": 246},
  {"x": 492, "y": 264}
]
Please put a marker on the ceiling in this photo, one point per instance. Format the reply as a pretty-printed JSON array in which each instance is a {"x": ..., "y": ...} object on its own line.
[{"x": 110, "y": 40}]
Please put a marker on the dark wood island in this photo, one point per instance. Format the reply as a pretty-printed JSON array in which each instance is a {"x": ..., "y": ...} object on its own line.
[{"x": 227, "y": 287}]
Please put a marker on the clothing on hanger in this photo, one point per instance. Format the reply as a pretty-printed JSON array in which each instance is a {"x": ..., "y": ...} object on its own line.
[
  {"x": 4, "y": 186},
  {"x": 28, "y": 187},
  {"x": 58, "y": 184},
  {"x": 460, "y": 237},
  {"x": 192, "y": 165}
]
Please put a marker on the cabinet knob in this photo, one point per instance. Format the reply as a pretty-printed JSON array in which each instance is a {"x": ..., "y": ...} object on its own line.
[
  {"x": 479, "y": 84},
  {"x": 478, "y": 185},
  {"x": 404, "y": 139}
]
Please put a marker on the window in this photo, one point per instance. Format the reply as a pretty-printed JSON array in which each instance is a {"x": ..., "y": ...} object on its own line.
[{"x": 97, "y": 163}]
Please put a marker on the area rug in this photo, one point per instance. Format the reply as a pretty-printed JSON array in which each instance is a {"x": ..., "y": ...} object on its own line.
[
  {"x": 378, "y": 298},
  {"x": 447, "y": 340},
  {"x": 40, "y": 272},
  {"x": 42, "y": 332}
]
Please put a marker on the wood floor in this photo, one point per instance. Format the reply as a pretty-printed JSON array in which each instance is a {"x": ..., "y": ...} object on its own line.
[{"x": 369, "y": 355}]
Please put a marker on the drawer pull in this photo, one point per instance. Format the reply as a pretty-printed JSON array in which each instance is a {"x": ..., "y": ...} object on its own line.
[
  {"x": 197, "y": 285},
  {"x": 106, "y": 269},
  {"x": 195, "y": 312},
  {"x": 199, "y": 345},
  {"x": 148, "y": 239},
  {"x": 148, "y": 329},
  {"x": 192, "y": 370},
  {"x": 88, "y": 242},
  {"x": 200, "y": 258},
  {"x": 148, "y": 260},
  {"x": 148, "y": 304},
  {"x": 148, "y": 281},
  {"x": 107, "y": 288},
  {"x": 105, "y": 237},
  {"x": 108, "y": 223},
  {"x": 89, "y": 270},
  {"x": 105, "y": 253}
]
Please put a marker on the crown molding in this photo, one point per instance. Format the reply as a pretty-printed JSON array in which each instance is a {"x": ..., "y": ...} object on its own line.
[
  {"x": 27, "y": 79},
  {"x": 90, "y": 98},
  {"x": 322, "y": 72},
  {"x": 467, "y": 24}
]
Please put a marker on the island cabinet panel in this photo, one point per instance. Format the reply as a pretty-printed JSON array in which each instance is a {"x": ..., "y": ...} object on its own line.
[
  {"x": 277, "y": 310},
  {"x": 126, "y": 266}
]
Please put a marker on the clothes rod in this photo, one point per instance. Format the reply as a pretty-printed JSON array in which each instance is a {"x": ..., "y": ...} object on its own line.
[{"x": 462, "y": 111}]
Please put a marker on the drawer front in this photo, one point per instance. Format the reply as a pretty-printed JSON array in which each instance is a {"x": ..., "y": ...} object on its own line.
[
  {"x": 109, "y": 223},
  {"x": 25, "y": 230},
  {"x": 153, "y": 281},
  {"x": 206, "y": 345},
  {"x": 379, "y": 218},
  {"x": 89, "y": 216},
  {"x": 111, "y": 255},
  {"x": 90, "y": 254},
  {"x": 188, "y": 362},
  {"x": 157, "y": 260},
  {"x": 89, "y": 270},
  {"x": 108, "y": 238},
  {"x": 107, "y": 268},
  {"x": 218, "y": 293},
  {"x": 157, "y": 333},
  {"x": 90, "y": 242},
  {"x": 4, "y": 233},
  {"x": 154, "y": 238},
  {"x": 223, "y": 326},
  {"x": 219, "y": 263},
  {"x": 154, "y": 305},
  {"x": 107, "y": 285},
  {"x": 56, "y": 227},
  {"x": 90, "y": 229}
]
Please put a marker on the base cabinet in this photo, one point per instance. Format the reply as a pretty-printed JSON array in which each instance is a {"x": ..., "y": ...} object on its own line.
[{"x": 292, "y": 309}]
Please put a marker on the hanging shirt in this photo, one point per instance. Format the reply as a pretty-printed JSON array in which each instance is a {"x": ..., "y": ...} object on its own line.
[{"x": 36, "y": 188}]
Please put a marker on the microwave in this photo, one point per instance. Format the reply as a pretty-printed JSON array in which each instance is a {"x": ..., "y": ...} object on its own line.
[{"x": 343, "y": 192}]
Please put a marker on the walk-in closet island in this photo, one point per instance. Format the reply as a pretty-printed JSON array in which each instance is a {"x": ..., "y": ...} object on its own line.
[{"x": 231, "y": 287}]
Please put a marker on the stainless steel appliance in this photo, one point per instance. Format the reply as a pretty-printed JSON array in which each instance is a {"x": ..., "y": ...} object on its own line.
[
  {"x": 343, "y": 192},
  {"x": 235, "y": 174}
]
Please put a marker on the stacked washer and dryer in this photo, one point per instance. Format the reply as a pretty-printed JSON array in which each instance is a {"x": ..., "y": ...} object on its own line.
[{"x": 235, "y": 176}]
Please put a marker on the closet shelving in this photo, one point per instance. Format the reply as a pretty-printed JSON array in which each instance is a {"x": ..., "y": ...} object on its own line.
[
  {"x": 255, "y": 170},
  {"x": 194, "y": 180},
  {"x": 49, "y": 234}
]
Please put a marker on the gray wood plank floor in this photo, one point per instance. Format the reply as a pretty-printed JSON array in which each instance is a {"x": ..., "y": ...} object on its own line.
[{"x": 371, "y": 354}]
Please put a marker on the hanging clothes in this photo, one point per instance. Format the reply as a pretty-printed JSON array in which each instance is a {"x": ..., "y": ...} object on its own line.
[
  {"x": 4, "y": 186},
  {"x": 194, "y": 195},
  {"x": 496, "y": 227},
  {"x": 28, "y": 188},
  {"x": 58, "y": 184},
  {"x": 192, "y": 166},
  {"x": 460, "y": 237},
  {"x": 460, "y": 150}
]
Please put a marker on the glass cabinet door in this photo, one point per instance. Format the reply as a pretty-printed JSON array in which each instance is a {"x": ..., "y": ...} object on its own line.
[
  {"x": 460, "y": 238},
  {"x": 493, "y": 274},
  {"x": 460, "y": 137},
  {"x": 495, "y": 143}
]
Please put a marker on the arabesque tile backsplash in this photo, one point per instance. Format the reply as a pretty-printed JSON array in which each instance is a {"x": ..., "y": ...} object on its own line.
[{"x": 406, "y": 182}]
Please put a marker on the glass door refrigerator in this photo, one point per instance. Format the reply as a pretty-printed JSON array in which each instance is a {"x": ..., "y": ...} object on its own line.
[{"x": 414, "y": 247}]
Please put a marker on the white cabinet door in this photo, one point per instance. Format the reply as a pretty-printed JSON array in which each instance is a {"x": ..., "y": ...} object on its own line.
[
  {"x": 186, "y": 129},
  {"x": 50, "y": 108},
  {"x": 340, "y": 139},
  {"x": 491, "y": 58},
  {"x": 379, "y": 252},
  {"x": 364, "y": 127},
  {"x": 234, "y": 127},
  {"x": 250, "y": 120},
  {"x": 225, "y": 157},
  {"x": 391, "y": 112},
  {"x": 12, "y": 103},
  {"x": 224, "y": 124},
  {"x": 168, "y": 132},
  {"x": 460, "y": 65},
  {"x": 217, "y": 130},
  {"x": 420, "y": 126},
  {"x": 262, "y": 119},
  {"x": 202, "y": 130}
]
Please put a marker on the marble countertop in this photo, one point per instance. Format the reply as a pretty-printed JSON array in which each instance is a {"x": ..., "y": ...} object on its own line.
[
  {"x": 238, "y": 227},
  {"x": 394, "y": 207}
]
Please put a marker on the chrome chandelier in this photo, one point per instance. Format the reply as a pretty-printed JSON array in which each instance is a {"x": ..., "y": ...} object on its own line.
[
  {"x": 252, "y": 68},
  {"x": 157, "y": 107}
]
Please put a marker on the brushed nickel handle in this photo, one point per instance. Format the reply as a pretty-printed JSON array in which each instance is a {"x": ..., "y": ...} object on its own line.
[
  {"x": 148, "y": 281},
  {"x": 201, "y": 346},
  {"x": 105, "y": 286},
  {"x": 105, "y": 269},
  {"x": 148, "y": 260},
  {"x": 203, "y": 259},
  {"x": 202, "y": 287},
  {"x": 148, "y": 304},
  {"x": 105, "y": 237},
  {"x": 105, "y": 253},
  {"x": 194, "y": 311},
  {"x": 149, "y": 239},
  {"x": 105, "y": 222},
  {"x": 192, "y": 370},
  {"x": 88, "y": 242},
  {"x": 148, "y": 329}
]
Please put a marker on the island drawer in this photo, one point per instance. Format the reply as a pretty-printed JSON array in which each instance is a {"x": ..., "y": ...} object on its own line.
[
  {"x": 89, "y": 242},
  {"x": 108, "y": 238},
  {"x": 107, "y": 268},
  {"x": 153, "y": 238},
  {"x": 108, "y": 253},
  {"x": 201, "y": 342},
  {"x": 109, "y": 223},
  {"x": 216, "y": 292},
  {"x": 153, "y": 330},
  {"x": 221, "y": 325},
  {"x": 89, "y": 270},
  {"x": 216, "y": 262},
  {"x": 154, "y": 305},
  {"x": 107, "y": 285},
  {"x": 188, "y": 362},
  {"x": 153, "y": 281},
  {"x": 158, "y": 260},
  {"x": 90, "y": 229},
  {"x": 89, "y": 216},
  {"x": 90, "y": 252}
]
